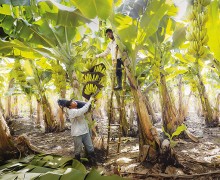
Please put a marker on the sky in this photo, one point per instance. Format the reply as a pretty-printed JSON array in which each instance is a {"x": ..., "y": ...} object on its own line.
[{"x": 182, "y": 5}]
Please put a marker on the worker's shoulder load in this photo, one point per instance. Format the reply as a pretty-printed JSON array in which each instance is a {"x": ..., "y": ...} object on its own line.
[{"x": 62, "y": 102}]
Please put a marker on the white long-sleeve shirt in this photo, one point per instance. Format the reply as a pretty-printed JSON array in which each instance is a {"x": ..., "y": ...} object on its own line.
[
  {"x": 111, "y": 48},
  {"x": 79, "y": 125}
]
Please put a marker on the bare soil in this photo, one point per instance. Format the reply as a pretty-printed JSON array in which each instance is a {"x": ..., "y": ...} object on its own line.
[{"x": 201, "y": 160}]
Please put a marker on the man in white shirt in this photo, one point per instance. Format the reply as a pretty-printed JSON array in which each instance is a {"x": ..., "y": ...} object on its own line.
[
  {"x": 80, "y": 129},
  {"x": 116, "y": 56}
]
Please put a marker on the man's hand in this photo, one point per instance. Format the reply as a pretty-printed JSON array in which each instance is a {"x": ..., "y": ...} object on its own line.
[
  {"x": 91, "y": 98},
  {"x": 97, "y": 56}
]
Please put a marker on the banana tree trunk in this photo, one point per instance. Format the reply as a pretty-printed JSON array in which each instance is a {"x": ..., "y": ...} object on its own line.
[
  {"x": 6, "y": 145},
  {"x": 217, "y": 109},
  {"x": 8, "y": 112},
  {"x": 75, "y": 85},
  {"x": 186, "y": 106},
  {"x": 61, "y": 113},
  {"x": 30, "y": 106},
  {"x": 150, "y": 110},
  {"x": 169, "y": 114},
  {"x": 131, "y": 117},
  {"x": 38, "y": 120},
  {"x": 149, "y": 144},
  {"x": 15, "y": 105},
  {"x": 123, "y": 120},
  {"x": 49, "y": 120},
  {"x": 181, "y": 110},
  {"x": 2, "y": 110},
  {"x": 208, "y": 113}
]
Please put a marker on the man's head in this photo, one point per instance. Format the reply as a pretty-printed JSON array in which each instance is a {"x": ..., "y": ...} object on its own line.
[
  {"x": 71, "y": 104},
  {"x": 109, "y": 33}
]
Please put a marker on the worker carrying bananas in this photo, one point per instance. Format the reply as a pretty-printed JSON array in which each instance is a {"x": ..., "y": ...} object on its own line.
[
  {"x": 75, "y": 111},
  {"x": 116, "y": 56}
]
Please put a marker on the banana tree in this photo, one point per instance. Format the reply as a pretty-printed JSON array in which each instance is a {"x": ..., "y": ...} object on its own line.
[
  {"x": 213, "y": 26},
  {"x": 39, "y": 75},
  {"x": 163, "y": 68},
  {"x": 1, "y": 105},
  {"x": 133, "y": 34},
  {"x": 6, "y": 145},
  {"x": 7, "y": 148},
  {"x": 19, "y": 75},
  {"x": 42, "y": 31},
  {"x": 50, "y": 32},
  {"x": 198, "y": 37}
]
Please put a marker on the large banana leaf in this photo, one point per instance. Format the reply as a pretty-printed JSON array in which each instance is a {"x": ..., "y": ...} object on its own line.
[
  {"x": 16, "y": 3},
  {"x": 213, "y": 27},
  {"x": 50, "y": 10},
  {"x": 151, "y": 19},
  {"x": 133, "y": 8},
  {"x": 179, "y": 36},
  {"x": 17, "y": 48},
  {"x": 62, "y": 15},
  {"x": 93, "y": 8},
  {"x": 127, "y": 28}
]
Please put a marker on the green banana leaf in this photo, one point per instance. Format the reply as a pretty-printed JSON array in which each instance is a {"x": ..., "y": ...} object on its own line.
[
  {"x": 91, "y": 9},
  {"x": 213, "y": 26},
  {"x": 16, "y": 3}
]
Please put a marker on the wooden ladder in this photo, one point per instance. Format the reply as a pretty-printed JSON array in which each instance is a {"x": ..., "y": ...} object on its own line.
[{"x": 120, "y": 97}]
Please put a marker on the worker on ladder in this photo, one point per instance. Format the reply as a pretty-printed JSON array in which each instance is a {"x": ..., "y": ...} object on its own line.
[{"x": 115, "y": 54}]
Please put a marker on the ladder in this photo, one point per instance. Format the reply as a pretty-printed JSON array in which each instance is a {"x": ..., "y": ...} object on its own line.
[{"x": 120, "y": 97}]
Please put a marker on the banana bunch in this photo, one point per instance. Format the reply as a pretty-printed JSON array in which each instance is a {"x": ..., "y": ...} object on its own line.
[
  {"x": 202, "y": 18},
  {"x": 19, "y": 74},
  {"x": 197, "y": 33},
  {"x": 204, "y": 2},
  {"x": 99, "y": 68},
  {"x": 91, "y": 77},
  {"x": 193, "y": 14},
  {"x": 59, "y": 76},
  {"x": 90, "y": 89},
  {"x": 202, "y": 51},
  {"x": 89, "y": 65},
  {"x": 203, "y": 37}
]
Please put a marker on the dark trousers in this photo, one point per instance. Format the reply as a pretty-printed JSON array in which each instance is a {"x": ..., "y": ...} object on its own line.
[{"x": 118, "y": 68}]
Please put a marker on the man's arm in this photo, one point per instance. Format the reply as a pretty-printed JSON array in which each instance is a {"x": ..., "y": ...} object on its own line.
[
  {"x": 105, "y": 53},
  {"x": 79, "y": 112}
]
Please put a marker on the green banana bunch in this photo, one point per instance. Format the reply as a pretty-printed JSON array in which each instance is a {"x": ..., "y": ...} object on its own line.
[
  {"x": 202, "y": 51},
  {"x": 59, "y": 76},
  {"x": 189, "y": 36},
  {"x": 191, "y": 49},
  {"x": 89, "y": 65},
  {"x": 91, "y": 77},
  {"x": 205, "y": 40},
  {"x": 202, "y": 18},
  {"x": 204, "y": 2},
  {"x": 90, "y": 89},
  {"x": 192, "y": 14},
  {"x": 19, "y": 74},
  {"x": 197, "y": 33},
  {"x": 99, "y": 68}
]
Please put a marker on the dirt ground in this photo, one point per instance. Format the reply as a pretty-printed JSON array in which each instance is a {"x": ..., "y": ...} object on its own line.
[{"x": 201, "y": 160}]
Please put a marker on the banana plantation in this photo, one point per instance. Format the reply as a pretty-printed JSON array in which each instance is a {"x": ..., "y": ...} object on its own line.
[{"x": 142, "y": 75}]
